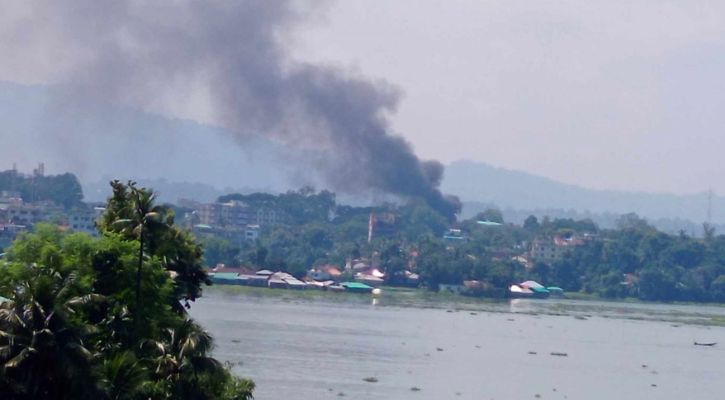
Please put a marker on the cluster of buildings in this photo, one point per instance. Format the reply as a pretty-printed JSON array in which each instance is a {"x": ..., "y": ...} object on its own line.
[
  {"x": 16, "y": 216},
  {"x": 321, "y": 278},
  {"x": 234, "y": 220},
  {"x": 358, "y": 275}
]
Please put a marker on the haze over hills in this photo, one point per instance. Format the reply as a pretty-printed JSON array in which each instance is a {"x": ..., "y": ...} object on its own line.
[
  {"x": 517, "y": 194},
  {"x": 185, "y": 159},
  {"x": 100, "y": 141},
  {"x": 481, "y": 186}
]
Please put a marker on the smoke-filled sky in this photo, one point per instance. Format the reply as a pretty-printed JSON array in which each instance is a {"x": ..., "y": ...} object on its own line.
[
  {"x": 604, "y": 94},
  {"x": 228, "y": 64}
]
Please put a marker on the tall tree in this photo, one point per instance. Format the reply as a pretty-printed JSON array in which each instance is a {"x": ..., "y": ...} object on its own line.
[{"x": 133, "y": 214}]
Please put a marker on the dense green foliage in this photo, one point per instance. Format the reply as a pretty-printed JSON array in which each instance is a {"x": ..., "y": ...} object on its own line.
[
  {"x": 299, "y": 207},
  {"x": 87, "y": 318},
  {"x": 64, "y": 190},
  {"x": 219, "y": 251},
  {"x": 639, "y": 261},
  {"x": 634, "y": 260}
]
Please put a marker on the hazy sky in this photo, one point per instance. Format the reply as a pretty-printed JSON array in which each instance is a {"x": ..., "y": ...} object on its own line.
[{"x": 604, "y": 94}]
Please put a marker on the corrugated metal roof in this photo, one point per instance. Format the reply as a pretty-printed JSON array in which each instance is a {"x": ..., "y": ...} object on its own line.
[
  {"x": 488, "y": 223},
  {"x": 532, "y": 284},
  {"x": 225, "y": 275},
  {"x": 355, "y": 285}
]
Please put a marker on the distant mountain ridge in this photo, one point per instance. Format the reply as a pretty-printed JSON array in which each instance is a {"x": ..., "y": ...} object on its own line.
[
  {"x": 122, "y": 143},
  {"x": 479, "y": 184}
]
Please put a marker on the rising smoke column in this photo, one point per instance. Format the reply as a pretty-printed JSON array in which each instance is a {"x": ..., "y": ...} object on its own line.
[{"x": 229, "y": 59}]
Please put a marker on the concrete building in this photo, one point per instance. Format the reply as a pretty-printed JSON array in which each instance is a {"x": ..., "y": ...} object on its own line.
[
  {"x": 553, "y": 249},
  {"x": 28, "y": 214},
  {"x": 84, "y": 219},
  {"x": 235, "y": 214}
]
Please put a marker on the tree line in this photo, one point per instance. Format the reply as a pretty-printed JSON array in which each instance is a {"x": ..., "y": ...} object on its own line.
[
  {"x": 64, "y": 190},
  {"x": 632, "y": 260}
]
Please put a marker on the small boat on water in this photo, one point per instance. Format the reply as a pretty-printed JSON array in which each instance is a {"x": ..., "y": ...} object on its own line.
[{"x": 705, "y": 344}]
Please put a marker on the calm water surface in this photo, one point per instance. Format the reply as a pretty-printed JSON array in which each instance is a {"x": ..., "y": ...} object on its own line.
[{"x": 296, "y": 348}]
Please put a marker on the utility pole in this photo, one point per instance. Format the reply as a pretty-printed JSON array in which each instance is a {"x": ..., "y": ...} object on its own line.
[{"x": 709, "y": 206}]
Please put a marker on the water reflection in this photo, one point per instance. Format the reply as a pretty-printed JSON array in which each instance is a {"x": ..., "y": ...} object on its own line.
[{"x": 524, "y": 306}]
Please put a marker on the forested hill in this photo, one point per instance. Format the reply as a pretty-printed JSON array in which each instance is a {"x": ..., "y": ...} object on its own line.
[
  {"x": 476, "y": 182},
  {"x": 64, "y": 189}
]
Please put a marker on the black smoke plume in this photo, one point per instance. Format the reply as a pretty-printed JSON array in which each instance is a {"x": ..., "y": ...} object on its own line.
[{"x": 232, "y": 57}]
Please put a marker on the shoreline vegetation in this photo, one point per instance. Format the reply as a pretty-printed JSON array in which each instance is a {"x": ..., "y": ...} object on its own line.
[{"x": 580, "y": 306}]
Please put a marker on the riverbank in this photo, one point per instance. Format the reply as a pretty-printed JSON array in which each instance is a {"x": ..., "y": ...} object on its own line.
[{"x": 580, "y": 308}]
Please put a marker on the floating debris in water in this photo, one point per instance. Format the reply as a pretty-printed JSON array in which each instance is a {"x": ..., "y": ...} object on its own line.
[
  {"x": 478, "y": 347},
  {"x": 236, "y": 341},
  {"x": 415, "y": 389},
  {"x": 510, "y": 319},
  {"x": 654, "y": 385},
  {"x": 580, "y": 317},
  {"x": 473, "y": 313},
  {"x": 538, "y": 396},
  {"x": 558, "y": 354},
  {"x": 439, "y": 349},
  {"x": 532, "y": 352},
  {"x": 340, "y": 394},
  {"x": 644, "y": 365},
  {"x": 370, "y": 379}
]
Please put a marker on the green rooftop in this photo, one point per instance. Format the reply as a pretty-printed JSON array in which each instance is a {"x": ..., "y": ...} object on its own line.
[
  {"x": 225, "y": 276},
  {"x": 355, "y": 285},
  {"x": 488, "y": 223}
]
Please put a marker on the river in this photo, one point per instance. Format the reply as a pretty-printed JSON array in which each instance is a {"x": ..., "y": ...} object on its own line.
[{"x": 295, "y": 347}]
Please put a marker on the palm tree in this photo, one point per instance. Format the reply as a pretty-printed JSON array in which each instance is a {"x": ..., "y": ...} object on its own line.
[
  {"x": 132, "y": 213},
  {"x": 43, "y": 353},
  {"x": 181, "y": 360},
  {"x": 143, "y": 220},
  {"x": 124, "y": 377}
]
